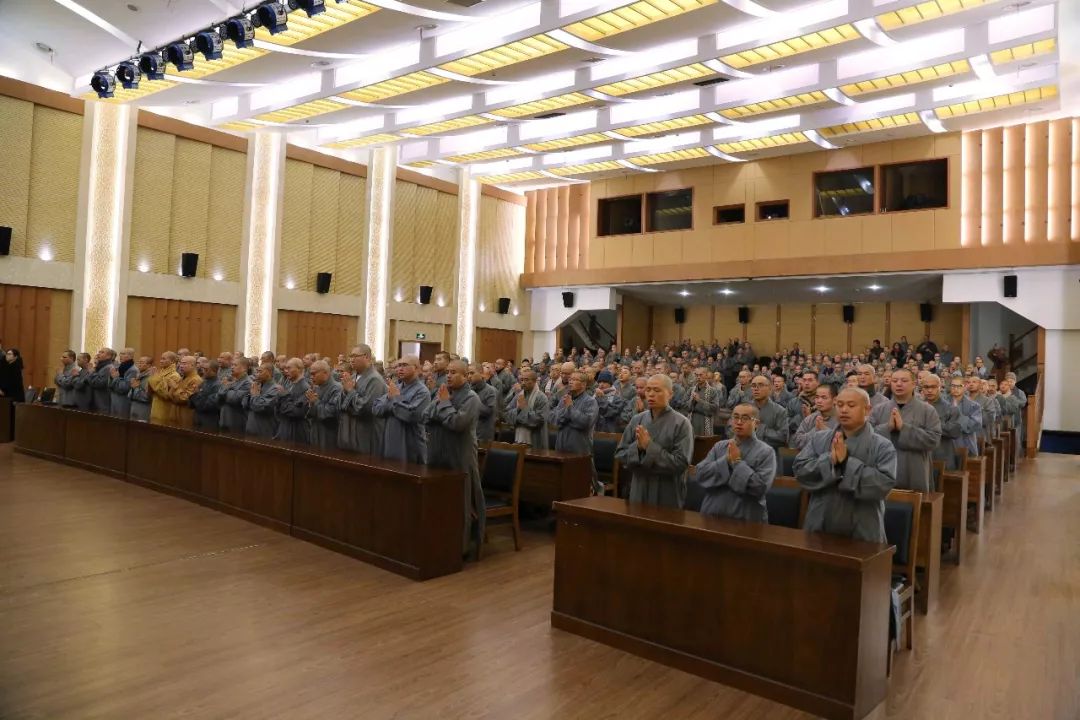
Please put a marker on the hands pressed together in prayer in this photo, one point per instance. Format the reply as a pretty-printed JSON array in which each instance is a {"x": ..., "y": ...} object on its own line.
[
  {"x": 896, "y": 421},
  {"x": 443, "y": 393},
  {"x": 643, "y": 437},
  {"x": 838, "y": 451},
  {"x": 734, "y": 455},
  {"x": 392, "y": 390}
]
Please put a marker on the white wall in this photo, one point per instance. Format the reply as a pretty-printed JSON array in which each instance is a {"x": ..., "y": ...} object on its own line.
[
  {"x": 1061, "y": 400},
  {"x": 992, "y": 323},
  {"x": 547, "y": 314}
]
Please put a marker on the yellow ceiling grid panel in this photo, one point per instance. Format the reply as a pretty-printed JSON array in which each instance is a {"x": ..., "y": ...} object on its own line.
[
  {"x": 301, "y": 27},
  {"x": 1023, "y": 52},
  {"x": 862, "y": 126},
  {"x": 778, "y": 51},
  {"x": 152, "y": 197},
  {"x": 228, "y": 173},
  {"x": 931, "y": 10},
  {"x": 664, "y": 126},
  {"x": 775, "y": 105},
  {"x": 670, "y": 156},
  {"x": 296, "y": 225},
  {"x": 762, "y": 143},
  {"x": 998, "y": 102},
  {"x": 512, "y": 53},
  {"x": 451, "y": 125},
  {"x": 684, "y": 73},
  {"x": 17, "y": 129},
  {"x": 587, "y": 168},
  {"x": 907, "y": 78},
  {"x": 537, "y": 107},
  {"x": 56, "y": 150},
  {"x": 303, "y": 111},
  {"x": 240, "y": 126},
  {"x": 509, "y": 177},
  {"x": 587, "y": 139},
  {"x": 484, "y": 155},
  {"x": 190, "y": 203},
  {"x": 395, "y": 86},
  {"x": 381, "y": 138},
  {"x": 631, "y": 17},
  {"x": 352, "y": 235}
]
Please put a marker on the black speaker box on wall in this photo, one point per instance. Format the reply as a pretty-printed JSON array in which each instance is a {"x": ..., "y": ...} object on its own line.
[
  {"x": 744, "y": 315},
  {"x": 680, "y": 315},
  {"x": 1010, "y": 284},
  {"x": 322, "y": 282},
  {"x": 5, "y": 240},
  {"x": 568, "y": 299},
  {"x": 189, "y": 263},
  {"x": 926, "y": 312},
  {"x": 504, "y": 305},
  {"x": 849, "y": 314},
  {"x": 425, "y": 294}
]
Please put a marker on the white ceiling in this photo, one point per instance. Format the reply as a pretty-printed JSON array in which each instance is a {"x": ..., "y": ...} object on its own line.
[{"x": 396, "y": 40}]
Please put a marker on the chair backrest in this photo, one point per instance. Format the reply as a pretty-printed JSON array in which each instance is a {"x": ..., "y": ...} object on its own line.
[
  {"x": 30, "y": 395},
  {"x": 786, "y": 503},
  {"x": 503, "y": 466},
  {"x": 961, "y": 457},
  {"x": 902, "y": 511},
  {"x": 505, "y": 435},
  {"x": 48, "y": 394},
  {"x": 695, "y": 494},
  {"x": 604, "y": 445},
  {"x": 939, "y": 469},
  {"x": 787, "y": 461}
]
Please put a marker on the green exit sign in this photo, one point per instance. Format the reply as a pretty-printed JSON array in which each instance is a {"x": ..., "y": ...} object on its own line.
[{"x": 421, "y": 336}]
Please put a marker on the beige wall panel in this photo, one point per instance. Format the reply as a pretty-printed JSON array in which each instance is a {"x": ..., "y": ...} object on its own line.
[
  {"x": 794, "y": 326},
  {"x": 761, "y": 331},
  {"x": 991, "y": 219},
  {"x": 402, "y": 247},
  {"x": 551, "y": 225},
  {"x": 541, "y": 258},
  {"x": 732, "y": 242},
  {"x": 574, "y": 224},
  {"x": 665, "y": 329},
  {"x": 946, "y": 328},
  {"x": 352, "y": 234},
  {"x": 296, "y": 226},
  {"x": 635, "y": 323},
  {"x": 596, "y": 253},
  {"x": 152, "y": 199},
  {"x": 322, "y": 252},
  {"x": 702, "y": 215},
  {"x": 771, "y": 238},
  {"x": 1074, "y": 234},
  {"x": 17, "y": 128},
  {"x": 1059, "y": 181},
  {"x": 425, "y": 266},
  {"x": 726, "y": 323},
  {"x": 562, "y": 227},
  {"x": 530, "y": 231},
  {"x": 1036, "y": 147},
  {"x": 641, "y": 249},
  {"x": 877, "y": 234},
  {"x": 695, "y": 249},
  {"x": 56, "y": 151},
  {"x": 947, "y": 144},
  {"x": 807, "y": 238},
  {"x": 698, "y": 325},
  {"x": 228, "y": 169},
  {"x": 876, "y": 154},
  {"x": 946, "y": 228},
  {"x": 190, "y": 203},
  {"x": 917, "y": 148},
  {"x": 499, "y": 253},
  {"x": 1013, "y": 201},
  {"x": 904, "y": 320},
  {"x": 842, "y": 237},
  {"x": 59, "y": 326},
  {"x": 618, "y": 250},
  {"x": 830, "y": 331},
  {"x": 913, "y": 231},
  {"x": 446, "y": 247},
  {"x": 580, "y": 195},
  {"x": 133, "y": 330},
  {"x": 869, "y": 325}
]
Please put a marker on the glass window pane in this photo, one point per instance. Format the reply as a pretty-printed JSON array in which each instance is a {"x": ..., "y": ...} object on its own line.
[
  {"x": 844, "y": 192},
  {"x": 670, "y": 210},
  {"x": 619, "y": 216},
  {"x": 915, "y": 185}
]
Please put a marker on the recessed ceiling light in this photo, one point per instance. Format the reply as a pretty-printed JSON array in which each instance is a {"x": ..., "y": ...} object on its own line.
[
  {"x": 133, "y": 7},
  {"x": 321, "y": 64},
  {"x": 144, "y": 267},
  {"x": 1016, "y": 5},
  {"x": 191, "y": 102},
  {"x": 821, "y": 288},
  {"x": 684, "y": 293},
  {"x": 873, "y": 287},
  {"x": 44, "y": 48},
  {"x": 727, "y": 291},
  {"x": 290, "y": 285},
  {"x": 218, "y": 276}
]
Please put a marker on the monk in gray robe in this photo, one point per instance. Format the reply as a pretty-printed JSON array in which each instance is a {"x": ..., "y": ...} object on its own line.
[
  {"x": 292, "y": 409},
  {"x": 912, "y": 427},
  {"x": 625, "y": 386},
  {"x": 261, "y": 403},
  {"x": 1013, "y": 401},
  {"x": 206, "y": 400},
  {"x": 324, "y": 406},
  {"x": 738, "y": 472},
  {"x": 65, "y": 380},
  {"x": 527, "y": 412},
  {"x": 451, "y": 423},
  {"x": 989, "y": 408},
  {"x": 823, "y": 418},
  {"x": 741, "y": 393},
  {"x": 231, "y": 394},
  {"x": 562, "y": 386},
  {"x": 867, "y": 380},
  {"x": 99, "y": 381},
  {"x": 609, "y": 403},
  {"x": 359, "y": 429},
  {"x": 402, "y": 408},
  {"x": 948, "y": 416},
  {"x": 575, "y": 417},
  {"x": 634, "y": 406},
  {"x": 802, "y": 406},
  {"x": 656, "y": 448},
  {"x": 848, "y": 473},
  {"x": 703, "y": 403},
  {"x": 772, "y": 425},
  {"x": 139, "y": 394},
  {"x": 120, "y": 384},
  {"x": 489, "y": 413},
  {"x": 80, "y": 383}
]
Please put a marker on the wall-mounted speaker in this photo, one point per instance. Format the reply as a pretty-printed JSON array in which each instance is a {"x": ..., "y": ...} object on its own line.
[
  {"x": 322, "y": 283},
  {"x": 926, "y": 312},
  {"x": 849, "y": 314},
  {"x": 1010, "y": 281},
  {"x": 680, "y": 315},
  {"x": 5, "y": 240},
  {"x": 425, "y": 294},
  {"x": 504, "y": 305},
  {"x": 189, "y": 263},
  {"x": 568, "y": 299},
  {"x": 744, "y": 315}
]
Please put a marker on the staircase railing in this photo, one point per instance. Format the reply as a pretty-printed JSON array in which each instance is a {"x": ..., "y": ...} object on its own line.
[{"x": 1034, "y": 420}]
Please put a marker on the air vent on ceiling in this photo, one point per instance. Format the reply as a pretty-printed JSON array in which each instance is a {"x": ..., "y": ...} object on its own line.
[
  {"x": 711, "y": 81},
  {"x": 464, "y": 3},
  {"x": 546, "y": 116}
]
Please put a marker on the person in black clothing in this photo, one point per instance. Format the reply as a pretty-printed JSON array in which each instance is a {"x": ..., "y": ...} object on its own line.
[
  {"x": 11, "y": 376},
  {"x": 927, "y": 349}
]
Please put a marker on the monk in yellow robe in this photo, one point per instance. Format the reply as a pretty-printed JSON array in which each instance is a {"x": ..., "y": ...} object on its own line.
[
  {"x": 187, "y": 386},
  {"x": 163, "y": 379}
]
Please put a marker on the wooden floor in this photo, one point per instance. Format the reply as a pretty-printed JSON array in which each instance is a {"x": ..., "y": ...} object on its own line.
[{"x": 119, "y": 602}]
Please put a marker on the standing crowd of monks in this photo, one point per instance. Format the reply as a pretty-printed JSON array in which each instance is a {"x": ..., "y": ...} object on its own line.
[{"x": 862, "y": 424}]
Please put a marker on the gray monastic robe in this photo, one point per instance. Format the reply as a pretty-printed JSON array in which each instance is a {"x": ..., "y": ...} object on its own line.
[
  {"x": 914, "y": 443},
  {"x": 485, "y": 423},
  {"x": 627, "y": 392},
  {"x": 737, "y": 491},
  {"x": 323, "y": 415},
  {"x": 970, "y": 424},
  {"x": 848, "y": 499},
  {"x": 609, "y": 406},
  {"x": 120, "y": 389},
  {"x": 990, "y": 410},
  {"x": 262, "y": 410},
  {"x": 100, "y": 383},
  {"x": 404, "y": 437},
  {"x": 657, "y": 475},
  {"x": 531, "y": 422},
  {"x": 808, "y": 427},
  {"x": 65, "y": 387},
  {"x": 949, "y": 417},
  {"x": 876, "y": 398},
  {"x": 292, "y": 412},
  {"x": 629, "y": 411},
  {"x": 231, "y": 398},
  {"x": 702, "y": 412},
  {"x": 575, "y": 429},
  {"x": 738, "y": 396},
  {"x": 140, "y": 397},
  {"x": 359, "y": 429},
  {"x": 772, "y": 427},
  {"x": 794, "y": 412},
  {"x": 82, "y": 390},
  {"x": 451, "y": 426},
  {"x": 205, "y": 400}
]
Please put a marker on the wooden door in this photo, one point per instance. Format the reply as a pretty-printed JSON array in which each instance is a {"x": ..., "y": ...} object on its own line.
[{"x": 492, "y": 344}]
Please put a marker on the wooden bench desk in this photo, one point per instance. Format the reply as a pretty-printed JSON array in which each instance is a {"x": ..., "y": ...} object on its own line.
[
  {"x": 1006, "y": 450},
  {"x": 800, "y": 618},
  {"x": 928, "y": 560},
  {"x": 551, "y": 475},
  {"x": 977, "y": 469},
  {"x": 7, "y": 420},
  {"x": 954, "y": 508},
  {"x": 702, "y": 445},
  {"x": 1000, "y": 462}
]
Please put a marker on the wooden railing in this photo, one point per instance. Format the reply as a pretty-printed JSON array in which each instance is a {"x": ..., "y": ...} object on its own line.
[{"x": 1034, "y": 419}]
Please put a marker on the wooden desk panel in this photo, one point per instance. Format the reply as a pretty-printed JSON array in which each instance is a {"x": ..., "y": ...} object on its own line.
[
  {"x": 7, "y": 420},
  {"x": 977, "y": 469},
  {"x": 40, "y": 430},
  {"x": 1000, "y": 465},
  {"x": 165, "y": 457},
  {"x": 753, "y": 606},
  {"x": 247, "y": 481},
  {"x": 96, "y": 442},
  {"x": 1006, "y": 450},
  {"x": 553, "y": 475},
  {"x": 954, "y": 508},
  {"x": 702, "y": 445},
  {"x": 928, "y": 559}
]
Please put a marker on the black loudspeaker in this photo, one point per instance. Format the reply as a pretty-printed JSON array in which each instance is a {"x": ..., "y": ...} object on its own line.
[
  {"x": 744, "y": 315},
  {"x": 504, "y": 305},
  {"x": 568, "y": 299},
  {"x": 680, "y": 315},
  {"x": 425, "y": 294},
  {"x": 189, "y": 263},
  {"x": 322, "y": 282},
  {"x": 5, "y": 240},
  {"x": 926, "y": 312},
  {"x": 1010, "y": 280},
  {"x": 849, "y": 314}
]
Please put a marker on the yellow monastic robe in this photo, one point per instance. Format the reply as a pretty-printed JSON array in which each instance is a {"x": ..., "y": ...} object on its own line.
[
  {"x": 162, "y": 383},
  {"x": 182, "y": 392}
]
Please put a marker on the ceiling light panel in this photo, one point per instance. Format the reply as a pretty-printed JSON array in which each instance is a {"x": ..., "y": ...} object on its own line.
[
  {"x": 381, "y": 138},
  {"x": 778, "y": 51},
  {"x": 393, "y": 87},
  {"x": 762, "y": 143},
  {"x": 907, "y": 78},
  {"x": 915, "y": 14},
  {"x": 445, "y": 126},
  {"x": 483, "y": 155},
  {"x": 685, "y": 73},
  {"x": 1023, "y": 52},
  {"x": 631, "y": 17},
  {"x": 861, "y": 126},
  {"x": 505, "y": 55},
  {"x": 240, "y": 126},
  {"x": 301, "y": 27},
  {"x": 997, "y": 102},
  {"x": 663, "y": 126},
  {"x": 510, "y": 177},
  {"x": 587, "y": 168},
  {"x": 776, "y": 105},
  {"x": 303, "y": 111},
  {"x": 537, "y": 107},
  {"x": 670, "y": 156},
  {"x": 587, "y": 139}
]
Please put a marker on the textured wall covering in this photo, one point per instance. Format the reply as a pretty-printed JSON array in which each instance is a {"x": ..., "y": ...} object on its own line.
[
  {"x": 424, "y": 251},
  {"x": 323, "y": 228},
  {"x": 39, "y": 184},
  {"x": 501, "y": 254},
  {"x": 188, "y": 197}
]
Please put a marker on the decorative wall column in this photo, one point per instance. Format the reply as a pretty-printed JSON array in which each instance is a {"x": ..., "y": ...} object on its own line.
[
  {"x": 469, "y": 213},
  {"x": 382, "y": 174},
  {"x": 257, "y": 327},
  {"x": 101, "y": 242}
]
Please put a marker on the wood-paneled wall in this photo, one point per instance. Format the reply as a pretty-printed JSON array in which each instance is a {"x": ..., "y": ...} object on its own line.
[
  {"x": 155, "y": 325},
  {"x": 499, "y": 253},
  {"x": 424, "y": 248},
  {"x": 492, "y": 344},
  {"x": 406, "y": 330},
  {"x": 328, "y": 335},
  {"x": 37, "y": 321},
  {"x": 558, "y": 228}
]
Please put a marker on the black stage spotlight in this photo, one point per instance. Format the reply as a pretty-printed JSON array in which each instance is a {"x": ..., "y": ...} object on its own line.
[
  {"x": 103, "y": 84},
  {"x": 208, "y": 42},
  {"x": 128, "y": 75},
  {"x": 180, "y": 55},
  {"x": 311, "y": 7},
  {"x": 152, "y": 65},
  {"x": 272, "y": 16},
  {"x": 240, "y": 31}
]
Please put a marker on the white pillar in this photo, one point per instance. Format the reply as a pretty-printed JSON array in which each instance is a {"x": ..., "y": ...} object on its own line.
[
  {"x": 382, "y": 175},
  {"x": 257, "y": 329},
  {"x": 468, "y": 218}
]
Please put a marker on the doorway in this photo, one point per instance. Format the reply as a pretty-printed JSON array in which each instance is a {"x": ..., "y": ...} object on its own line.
[{"x": 423, "y": 350}]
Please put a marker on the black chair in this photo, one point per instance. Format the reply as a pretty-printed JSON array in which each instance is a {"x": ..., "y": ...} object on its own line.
[
  {"x": 902, "y": 511},
  {"x": 505, "y": 435},
  {"x": 30, "y": 395},
  {"x": 695, "y": 494},
  {"x": 787, "y": 461},
  {"x": 607, "y": 469},
  {"x": 500, "y": 479},
  {"x": 786, "y": 503}
]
